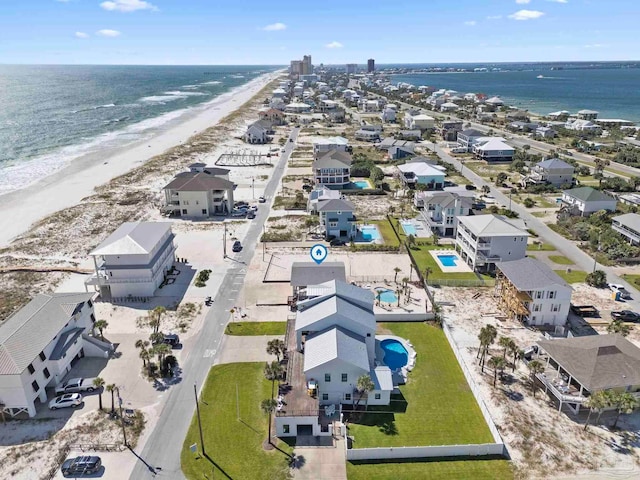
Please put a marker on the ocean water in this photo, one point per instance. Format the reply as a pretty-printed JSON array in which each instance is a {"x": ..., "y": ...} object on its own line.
[
  {"x": 613, "y": 89},
  {"x": 51, "y": 115}
]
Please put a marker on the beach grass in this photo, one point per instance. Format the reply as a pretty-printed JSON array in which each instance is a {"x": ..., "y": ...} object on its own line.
[
  {"x": 256, "y": 328},
  {"x": 234, "y": 444},
  {"x": 431, "y": 406}
]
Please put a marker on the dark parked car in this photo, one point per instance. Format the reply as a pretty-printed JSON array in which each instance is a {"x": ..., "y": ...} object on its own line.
[
  {"x": 171, "y": 339},
  {"x": 626, "y": 316},
  {"x": 262, "y": 200},
  {"x": 237, "y": 246},
  {"x": 336, "y": 242},
  {"x": 470, "y": 187},
  {"x": 251, "y": 215},
  {"x": 81, "y": 465}
]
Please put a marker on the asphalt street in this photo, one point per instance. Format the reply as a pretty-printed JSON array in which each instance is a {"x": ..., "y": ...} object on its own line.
[{"x": 162, "y": 450}]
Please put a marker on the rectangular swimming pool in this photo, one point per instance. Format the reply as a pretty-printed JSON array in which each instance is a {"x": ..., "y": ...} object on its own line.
[
  {"x": 369, "y": 233},
  {"x": 448, "y": 260},
  {"x": 409, "y": 228},
  {"x": 361, "y": 184}
]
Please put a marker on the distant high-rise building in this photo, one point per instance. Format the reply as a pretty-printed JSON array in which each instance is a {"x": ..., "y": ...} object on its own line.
[
  {"x": 371, "y": 65},
  {"x": 307, "y": 68},
  {"x": 352, "y": 68},
  {"x": 296, "y": 67}
]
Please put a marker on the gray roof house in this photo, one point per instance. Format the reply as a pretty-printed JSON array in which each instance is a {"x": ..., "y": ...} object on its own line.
[
  {"x": 337, "y": 218},
  {"x": 586, "y": 200},
  {"x": 332, "y": 169},
  {"x": 200, "y": 193},
  {"x": 628, "y": 225},
  {"x": 304, "y": 274},
  {"x": 39, "y": 342},
  {"x": 466, "y": 138},
  {"x": 552, "y": 171},
  {"x": 440, "y": 210},
  {"x": 320, "y": 194},
  {"x": 579, "y": 366}
]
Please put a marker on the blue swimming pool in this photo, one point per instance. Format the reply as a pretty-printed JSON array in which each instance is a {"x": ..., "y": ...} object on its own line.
[
  {"x": 395, "y": 355},
  {"x": 361, "y": 184},
  {"x": 448, "y": 260},
  {"x": 369, "y": 233},
  {"x": 409, "y": 228},
  {"x": 387, "y": 296}
]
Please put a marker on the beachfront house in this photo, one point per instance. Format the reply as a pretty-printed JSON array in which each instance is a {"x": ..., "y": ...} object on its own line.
[
  {"x": 256, "y": 133},
  {"x": 583, "y": 126},
  {"x": 493, "y": 149},
  {"x": 440, "y": 210},
  {"x": 587, "y": 114},
  {"x": 201, "y": 192},
  {"x": 552, "y": 171},
  {"x": 133, "y": 261},
  {"x": 494, "y": 103},
  {"x": 421, "y": 173},
  {"x": 584, "y": 201},
  {"x": 578, "y": 367},
  {"x": 322, "y": 145},
  {"x": 331, "y": 344},
  {"x": 530, "y": 292},
  {"x": 450, "y": 129},
  {"x": 484, "y": 240},
  {"x": 332, "y": 169},
  {"x": 337, "y": 218},
  {"x": 40, "y": 343},
  {"x": 628, "y": 225},
  {"x": 276, "y": 117},
  {"x": 467, "y": 138}
]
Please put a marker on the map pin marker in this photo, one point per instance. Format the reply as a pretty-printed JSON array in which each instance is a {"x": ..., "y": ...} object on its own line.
[{"x": 318, "y": 253}]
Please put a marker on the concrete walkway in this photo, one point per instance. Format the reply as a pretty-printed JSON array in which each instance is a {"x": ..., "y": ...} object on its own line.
[{"x": 327, "y": 463}]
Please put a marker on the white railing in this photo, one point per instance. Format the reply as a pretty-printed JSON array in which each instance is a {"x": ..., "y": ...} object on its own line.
[{"x": 382, "y": 453}]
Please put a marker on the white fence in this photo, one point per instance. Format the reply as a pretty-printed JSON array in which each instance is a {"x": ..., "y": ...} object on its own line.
[
  {"x": 385, "y": 453},
  {"x": 472, "y": 384}
]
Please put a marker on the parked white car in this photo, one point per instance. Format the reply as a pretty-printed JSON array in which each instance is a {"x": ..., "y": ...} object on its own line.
[
  {"x": 74, "y": 385},
  {"x": 624, "y": 293},
  {"x": 67, "y": 400}
]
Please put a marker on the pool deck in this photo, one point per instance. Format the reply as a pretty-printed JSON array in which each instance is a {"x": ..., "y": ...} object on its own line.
[
  {"x": 399, "y": 375},
  {"x": 360, "y": 239},
  {"x": 461, "y": 265},
  {"x": 422, "y": 231}
]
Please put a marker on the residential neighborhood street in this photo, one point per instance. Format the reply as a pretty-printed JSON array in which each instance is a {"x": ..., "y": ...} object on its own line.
[{"x": 162, "y": 450}]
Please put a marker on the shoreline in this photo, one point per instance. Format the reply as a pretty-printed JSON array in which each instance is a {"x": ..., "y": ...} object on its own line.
[{"x": 20, "y": 209}]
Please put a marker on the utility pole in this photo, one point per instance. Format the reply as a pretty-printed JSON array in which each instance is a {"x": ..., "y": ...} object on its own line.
[
  {"x": 264, "y": 244},
  {"x": 224, "y": 241},
  {"x": 195, "y": 392},
  {"x": 124, "y": 432},
  {"x": 253, "y": 187}
]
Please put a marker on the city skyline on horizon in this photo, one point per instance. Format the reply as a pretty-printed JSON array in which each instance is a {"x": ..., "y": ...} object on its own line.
[{"x": 158, "y": 32}]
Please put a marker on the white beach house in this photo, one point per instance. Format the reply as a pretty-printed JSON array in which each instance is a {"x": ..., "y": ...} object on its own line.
[
  {"x": 40, "y": 343},
  {"x": 134, "y": 260},
  {"x": 552, "y": 171},
  {"x": 584, "y": 201},
  {"x": 440, "y": 210},
  {"x": 628, "y": 225}
]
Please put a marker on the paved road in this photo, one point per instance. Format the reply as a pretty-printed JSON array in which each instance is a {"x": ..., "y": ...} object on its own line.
[
  {"x": 568, "y": 248},
  {"x": 162, "y": 450}
]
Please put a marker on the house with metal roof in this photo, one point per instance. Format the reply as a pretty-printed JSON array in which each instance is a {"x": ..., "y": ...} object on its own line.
[
  {"x": 530, "y": 292},
  {"x": 484, "y": 240},
  {"x": 337, "y": 218},
  {"x": 467, "y": 138},
  {"x": 493, "y": 149},
  {"x": 201, "y": 192},
  {"x": 440, "y": 210},
  {"x": 331, "y": 343},
  {"x": 332, "y": 169},
  {"x": 133, "y": 261},
  {"x": 306, "y": 274},
  {"x": 628, "y": 225},
  {"x": 431, "y": 176},
  {"x": 581, "y": 366},
  {"x": 322, "y": 145},
  {"x": 552, "y": 171},
  {"x": 40, "y": 343},
  {"x": 584, "y": 201}
]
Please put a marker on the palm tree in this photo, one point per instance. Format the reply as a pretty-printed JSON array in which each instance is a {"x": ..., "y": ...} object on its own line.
[
  {"x": 364, "y": 384},
  {"x": 142, "y": 344},
  {"x": 156, "y": 338},
  {"x": 535, "y": 367},
  {"x": 516, "y": 353},
  {"x": 398, "y": 294},
  {"x": 397, "y": 270},
  {"x": 276, "y": 347},
  {"x": 155, "y": 316},
  {"x": 596, "y": 403},
  {"x": 161, "y": 350},
  {"x": 498, "y": 364},
  {"x": 273, "y": 371},
  {"x": 98, "y": 382},
  {"x": 268, "y": 405},
  {"x": 101, "y": 325},
  {"x": 505, "y": 343},
  {"x": 435, "y": 239},
  {"x": 145, "y": 355},
  {"x": 111, "y": 388},
  {"x": 427, "y": 272},
  {"x": 487, "y": 336},
  {"x": 618, "y": 326},
  {"x": 625, "y": 403},
  {"x": 411, "y": 240}
]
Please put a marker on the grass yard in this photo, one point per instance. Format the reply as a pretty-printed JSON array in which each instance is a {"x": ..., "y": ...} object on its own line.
[
  {"x": 433, "y": 470},
  {"x": 437, "y": 400},
  {"x": 540, "y": 247},
  {"x": 388, "y": 235},
  {"x": 235, "y": 446},
  {"x": 632, "y": 279},
  {"x": 575, "y": 276},
  {"x": 424, "y": 259},
  {"x": 256, "y": 328},
  {"x": 560, "y": 260}
]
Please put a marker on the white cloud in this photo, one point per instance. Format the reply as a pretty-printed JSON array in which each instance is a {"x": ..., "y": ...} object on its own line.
[
  {"x": 470, "y": 23},
  {"x": 127, "y": 5},
  {"x": 522, "y": 2},
  {"x": 596, "y": 45},
  {"x": 274, "y": 27},
  {"x": 334, "y": 44},
  {"x": 494, "y": 17},
  {"x": 558, "y": 1},
  {"x": 108, "y": 33},
  {"x": 82, "y": 35},
  {"x": 526, "y": 15}
]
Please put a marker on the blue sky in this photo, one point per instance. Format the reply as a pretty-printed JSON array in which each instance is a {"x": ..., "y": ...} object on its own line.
[{"x": 333, "y": 32}]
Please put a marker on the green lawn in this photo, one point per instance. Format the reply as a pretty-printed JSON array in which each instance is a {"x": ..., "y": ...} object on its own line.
[
  {"x": 560, "y": 260},
  {"x": 388, "y": 235},
  {"x": 632, "y": 279},
  {"x": 575, "y": 276},
  {"x": 438, "y": 407},
  {"x": 433, "y": 470},
  {"x": 540, "y": 247},
  {"x": 234, "y": 445},
  {"x": 256, "y": 328},
  {"x": 424, "y": 259}
]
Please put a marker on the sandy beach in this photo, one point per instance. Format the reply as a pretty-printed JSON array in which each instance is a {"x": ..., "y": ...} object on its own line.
[{"x": 20, "y": 209}]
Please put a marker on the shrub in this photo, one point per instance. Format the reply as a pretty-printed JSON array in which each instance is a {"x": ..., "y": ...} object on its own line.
[
  {"x": 597, "y": 279},
  {"x": 201, "y": 279},
  {"x": 529, "y": 202}
]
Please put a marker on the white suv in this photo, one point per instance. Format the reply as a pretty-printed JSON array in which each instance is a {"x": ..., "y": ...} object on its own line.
[{"x": 624, "y": 293}]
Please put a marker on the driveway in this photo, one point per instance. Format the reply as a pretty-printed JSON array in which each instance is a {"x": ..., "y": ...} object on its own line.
[{"x": 327, "y": 463}]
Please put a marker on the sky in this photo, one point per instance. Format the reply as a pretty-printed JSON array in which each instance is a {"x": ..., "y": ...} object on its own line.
[{"x": 252, "y": 32}]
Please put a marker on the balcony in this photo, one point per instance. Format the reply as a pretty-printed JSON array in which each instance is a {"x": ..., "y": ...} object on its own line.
[
  {"x": 626, "y": 231},
  {"x": 482, "y": 259}
]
